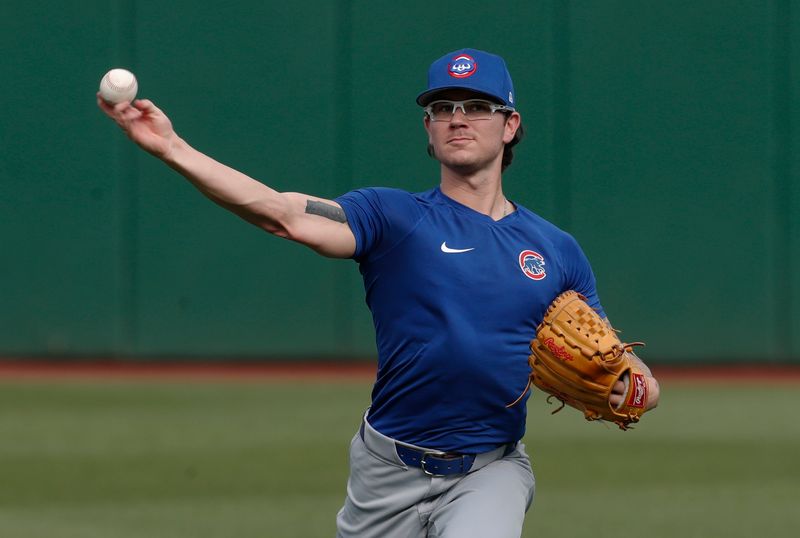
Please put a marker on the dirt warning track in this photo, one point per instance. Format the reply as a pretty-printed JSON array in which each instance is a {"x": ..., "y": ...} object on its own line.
[{"x": 14, "y": 368}]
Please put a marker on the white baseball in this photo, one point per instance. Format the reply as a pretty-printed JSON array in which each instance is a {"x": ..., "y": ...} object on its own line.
[{"x": 118, "y": 85}]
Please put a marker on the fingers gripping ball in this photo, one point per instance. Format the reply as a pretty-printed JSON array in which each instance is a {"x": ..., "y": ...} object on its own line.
[
  {"x": 577, "y": 358},
  {"x": 118, "y": 85}
]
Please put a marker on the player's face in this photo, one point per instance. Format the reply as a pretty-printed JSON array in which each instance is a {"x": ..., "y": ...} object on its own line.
[{"x": 469, "y": 146}]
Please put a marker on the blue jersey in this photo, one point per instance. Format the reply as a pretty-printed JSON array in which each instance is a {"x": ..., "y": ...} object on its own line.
[{"x": 455, "y": 298}]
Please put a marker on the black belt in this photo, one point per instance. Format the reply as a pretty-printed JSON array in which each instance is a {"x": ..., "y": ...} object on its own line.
[{"x": 436, "y": 463}]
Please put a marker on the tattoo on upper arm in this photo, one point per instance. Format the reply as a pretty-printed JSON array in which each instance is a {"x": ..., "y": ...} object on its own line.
[{"x": 326, "y": 210}]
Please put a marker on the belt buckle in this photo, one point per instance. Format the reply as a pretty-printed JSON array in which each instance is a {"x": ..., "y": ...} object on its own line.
[{"x": 432, "y": 453}]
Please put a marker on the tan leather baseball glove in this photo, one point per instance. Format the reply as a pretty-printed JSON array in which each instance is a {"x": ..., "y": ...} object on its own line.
[{"x": 577, "y": 358}]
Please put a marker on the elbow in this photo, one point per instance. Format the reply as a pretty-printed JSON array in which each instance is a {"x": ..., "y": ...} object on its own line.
[{"x": 269, "y": 221}]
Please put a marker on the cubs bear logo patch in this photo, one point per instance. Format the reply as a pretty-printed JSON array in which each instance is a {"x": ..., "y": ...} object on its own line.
[{"x": 532, "y": 264}]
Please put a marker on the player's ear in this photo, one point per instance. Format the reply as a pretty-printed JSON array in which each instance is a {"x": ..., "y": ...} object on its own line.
[{"x": 513, "y": 122}]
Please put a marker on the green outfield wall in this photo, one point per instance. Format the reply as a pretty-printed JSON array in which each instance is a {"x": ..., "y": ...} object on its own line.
[{"x": 662, "y": 135}]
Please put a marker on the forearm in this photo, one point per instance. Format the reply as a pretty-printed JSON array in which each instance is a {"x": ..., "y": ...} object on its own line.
[{"x": 231, "y": 189}]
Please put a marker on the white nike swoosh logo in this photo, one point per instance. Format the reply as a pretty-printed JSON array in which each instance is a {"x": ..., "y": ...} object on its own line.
[{"x": 449, "y": 250}]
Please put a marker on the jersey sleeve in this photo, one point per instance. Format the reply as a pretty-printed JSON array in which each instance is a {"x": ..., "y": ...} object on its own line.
[
  {"x": 379, "y": 218},
  {"x": 579, "y": 275}
]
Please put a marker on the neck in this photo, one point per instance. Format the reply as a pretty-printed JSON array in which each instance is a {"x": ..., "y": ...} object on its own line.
[{"x": 482, "y": 192}]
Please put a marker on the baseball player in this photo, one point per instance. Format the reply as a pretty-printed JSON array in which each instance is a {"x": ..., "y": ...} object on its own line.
[{"x": 457, "y": 279}]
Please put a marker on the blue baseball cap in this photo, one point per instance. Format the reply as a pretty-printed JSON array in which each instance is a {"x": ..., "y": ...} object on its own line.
[{"x": 470, "y": 69}]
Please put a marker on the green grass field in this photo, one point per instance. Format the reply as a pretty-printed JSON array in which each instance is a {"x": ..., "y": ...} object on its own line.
[{"x": 116, "y": 459}]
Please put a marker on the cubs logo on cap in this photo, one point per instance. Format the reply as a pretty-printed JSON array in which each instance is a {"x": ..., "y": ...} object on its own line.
[{"x": 463, "y": 66}]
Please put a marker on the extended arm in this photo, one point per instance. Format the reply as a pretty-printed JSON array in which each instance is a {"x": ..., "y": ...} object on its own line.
[{"x": 315, "y": 222}]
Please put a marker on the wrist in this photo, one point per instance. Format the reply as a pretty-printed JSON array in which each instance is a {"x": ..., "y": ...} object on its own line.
[{"x": 176, "y": 153}]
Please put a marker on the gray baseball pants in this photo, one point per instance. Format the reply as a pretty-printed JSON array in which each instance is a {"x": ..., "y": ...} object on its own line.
[{"x": 388, "y": 499}]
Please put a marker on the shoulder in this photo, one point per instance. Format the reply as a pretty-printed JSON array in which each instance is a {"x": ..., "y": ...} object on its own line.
[
  {"x": 554, "y": 234},
  {"x": 574, "y": 266},
  {"x": 379, "y": 216},
  {"x": 388, "y": 194},
  {"x": 562, "y": 244},
  {"x": 385, "y": 200}
]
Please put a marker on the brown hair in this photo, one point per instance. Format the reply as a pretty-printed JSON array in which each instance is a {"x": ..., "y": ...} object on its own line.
[{"x": 508, "y": 151}]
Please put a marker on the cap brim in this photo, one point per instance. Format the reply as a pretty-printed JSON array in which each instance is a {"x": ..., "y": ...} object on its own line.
[{"x": 428, "y": 96}]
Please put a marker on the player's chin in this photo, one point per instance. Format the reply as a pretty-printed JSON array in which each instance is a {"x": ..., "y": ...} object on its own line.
[
  {"x": 461, "y": 161},
  {"x": 464, "y": 169}
]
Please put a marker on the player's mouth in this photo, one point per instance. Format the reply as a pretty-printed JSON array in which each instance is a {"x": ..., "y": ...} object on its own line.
[{"x": 459, "y": 140}]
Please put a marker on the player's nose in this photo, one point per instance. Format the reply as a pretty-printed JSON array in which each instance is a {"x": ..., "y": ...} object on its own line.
[{"x": 458, "y": 117}]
